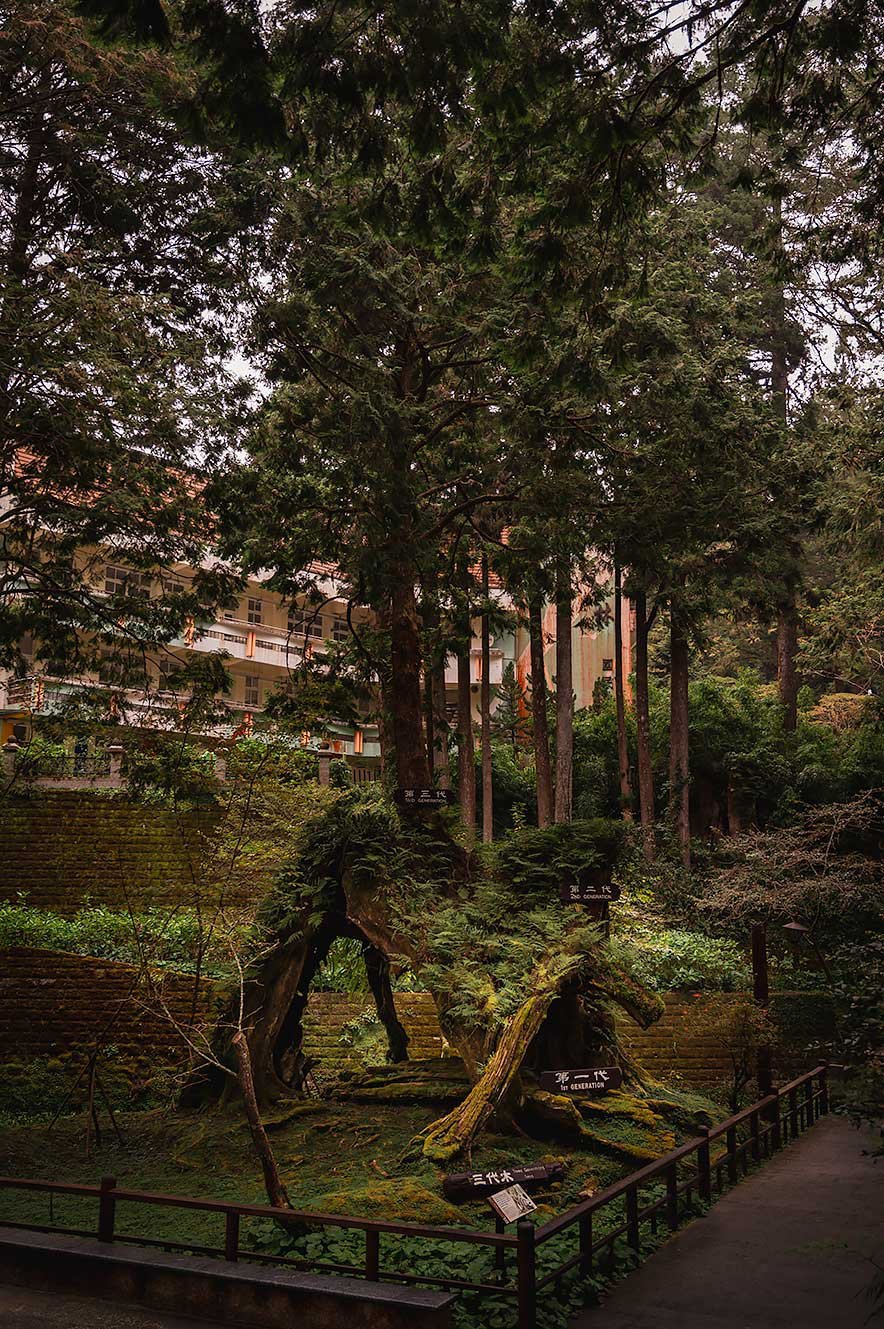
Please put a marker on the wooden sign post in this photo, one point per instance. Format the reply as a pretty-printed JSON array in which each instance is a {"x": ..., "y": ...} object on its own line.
[
  {"x": 592, "y": 1080},
  {"x": 425, "y": 798}
]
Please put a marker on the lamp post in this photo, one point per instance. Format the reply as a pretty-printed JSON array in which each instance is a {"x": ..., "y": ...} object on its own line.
[{"x": 798, "y": 933}]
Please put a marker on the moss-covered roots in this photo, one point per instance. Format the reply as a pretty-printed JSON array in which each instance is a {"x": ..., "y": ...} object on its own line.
[{"x": 494, "y": 1091}]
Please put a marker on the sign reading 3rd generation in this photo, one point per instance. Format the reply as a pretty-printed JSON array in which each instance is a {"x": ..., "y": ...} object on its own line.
[{"x": 592, "y": 1080}]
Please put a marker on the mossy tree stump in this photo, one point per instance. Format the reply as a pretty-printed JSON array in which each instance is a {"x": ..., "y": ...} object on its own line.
[{"x": 521, "y": 982}]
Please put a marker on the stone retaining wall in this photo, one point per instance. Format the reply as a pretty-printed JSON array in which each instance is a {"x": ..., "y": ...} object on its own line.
[
  {"x": 52, "y": 1003},
  {"x": 55, "y": 1005},
  {"x": 62, "y": 848}
]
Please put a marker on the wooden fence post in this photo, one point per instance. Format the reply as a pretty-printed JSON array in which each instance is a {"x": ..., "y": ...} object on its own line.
[
  {"x": 527, "y": 1266},
  {"x": 585, "y": 1237},
  {"x": 372, "y": 1254},
  {"x": 824, "y": 1086},
  {"x": 632, "y": 1232},
  {"x": 672, "y": 1195},
  {"x": 231, "y": 1236},
  {"x": 106, "y": 1209},
  {"x": 731, "y": 1137},
  {"x": 704, "y": 1167},
  {"x": 776, "y": 1133}
]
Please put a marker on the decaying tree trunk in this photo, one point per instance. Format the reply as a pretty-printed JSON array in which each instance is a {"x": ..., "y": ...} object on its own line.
[
  {"x": 273, "y": 1183},
  {"x": 542, "y": 764}
]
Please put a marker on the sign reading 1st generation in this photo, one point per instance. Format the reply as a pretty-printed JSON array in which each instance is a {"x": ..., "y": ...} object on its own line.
[
  {"x": 425, "y": 798},
  {"x": 593, "y": 1080}
]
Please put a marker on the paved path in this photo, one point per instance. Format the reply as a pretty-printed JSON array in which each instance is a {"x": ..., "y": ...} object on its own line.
[
  {"x": 791, "y": 1247},
  {"x": 20, "y": 1308}
]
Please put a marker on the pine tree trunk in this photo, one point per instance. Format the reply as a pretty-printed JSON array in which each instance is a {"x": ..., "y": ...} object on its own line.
[
  {"x": 539, "y": 714},
  {"x": 620, "y": 701},
  {"x": 679, "y": 776},
  {"x": 485, "y": 715},
  {"x": 441, "y": 767},
  {"x": 412, "y": 768},
  {"x": 787, "y": 649},
  {"x": 466, "y": 753},
  {"x": 429, "y": 718},
  {"x": 643, "y": 723},
  {"x": 564, "y": 699},
  {"x": 787, "y": 612}
]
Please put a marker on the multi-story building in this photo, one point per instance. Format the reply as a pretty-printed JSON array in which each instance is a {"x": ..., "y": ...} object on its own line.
[{"x": 263, "y": 641}]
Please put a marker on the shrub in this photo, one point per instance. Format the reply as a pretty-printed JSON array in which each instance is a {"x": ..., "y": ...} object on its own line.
[
  {"x": 160, "y": 937},
  {"x": 174, "y": 769},
  {"x": 673, "y": 959}
]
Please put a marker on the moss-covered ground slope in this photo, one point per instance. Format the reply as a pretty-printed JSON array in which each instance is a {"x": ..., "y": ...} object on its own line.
[{"x": 351, "y": 1155}]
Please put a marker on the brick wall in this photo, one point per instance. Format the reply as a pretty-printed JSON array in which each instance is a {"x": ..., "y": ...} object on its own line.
[
  {"x": 62, "y": 847},
  {"x": 51, "y": 1003}
]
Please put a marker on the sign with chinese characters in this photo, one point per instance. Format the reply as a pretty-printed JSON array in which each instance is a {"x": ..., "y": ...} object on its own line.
[
  {"x": 574, "y": 890},
  {"x": 512, "y": 1204},
  {"x": 464, "y": 1185},
  {"x": 425, "y": 798},
  {"x": 593, "y": 1080}
]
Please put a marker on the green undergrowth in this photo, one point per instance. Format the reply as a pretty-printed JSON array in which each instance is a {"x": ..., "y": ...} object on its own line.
[
  {"x": 169, "y": 938},
  {"x": 349, "y": 1156}
]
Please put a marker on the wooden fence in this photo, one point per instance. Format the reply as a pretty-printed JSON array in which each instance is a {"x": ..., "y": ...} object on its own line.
[{"x": 662, "y": 1192}]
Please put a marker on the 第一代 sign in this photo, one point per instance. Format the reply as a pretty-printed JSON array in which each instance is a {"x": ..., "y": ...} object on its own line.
[{"x": 592, "y": 1080}]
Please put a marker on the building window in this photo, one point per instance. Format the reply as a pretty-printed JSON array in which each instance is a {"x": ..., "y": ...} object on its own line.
[
  {"x": 254, "y": 610},
  {"x": 122, "y": 581},
  {"x": 340, "y": 629},
  {"x": 168, "y": 667},
  {"x": 253, "y": 690},
  {"x": 358, "y": 741},
  {"x": 171, "y": 587},
  {"x": 607, "y": 666},
  {"x": 302, "y": 623}
]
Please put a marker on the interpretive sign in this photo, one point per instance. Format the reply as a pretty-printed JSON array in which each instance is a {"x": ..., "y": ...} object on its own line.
[
  {"x": 586, "y": 891},
  {"x": 425, "y": 798},
  {"x": 592, "y": 1080},
  {"x": 464, "y": 1185},
  {"x": 512, "y": 1204}
]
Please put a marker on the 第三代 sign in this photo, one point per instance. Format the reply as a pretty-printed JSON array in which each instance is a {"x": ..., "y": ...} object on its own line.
[{"x": 425, "y": 798}]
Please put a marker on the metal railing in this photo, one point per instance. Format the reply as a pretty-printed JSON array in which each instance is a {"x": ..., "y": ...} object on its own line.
[{"x": 662, "y": 1192}]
